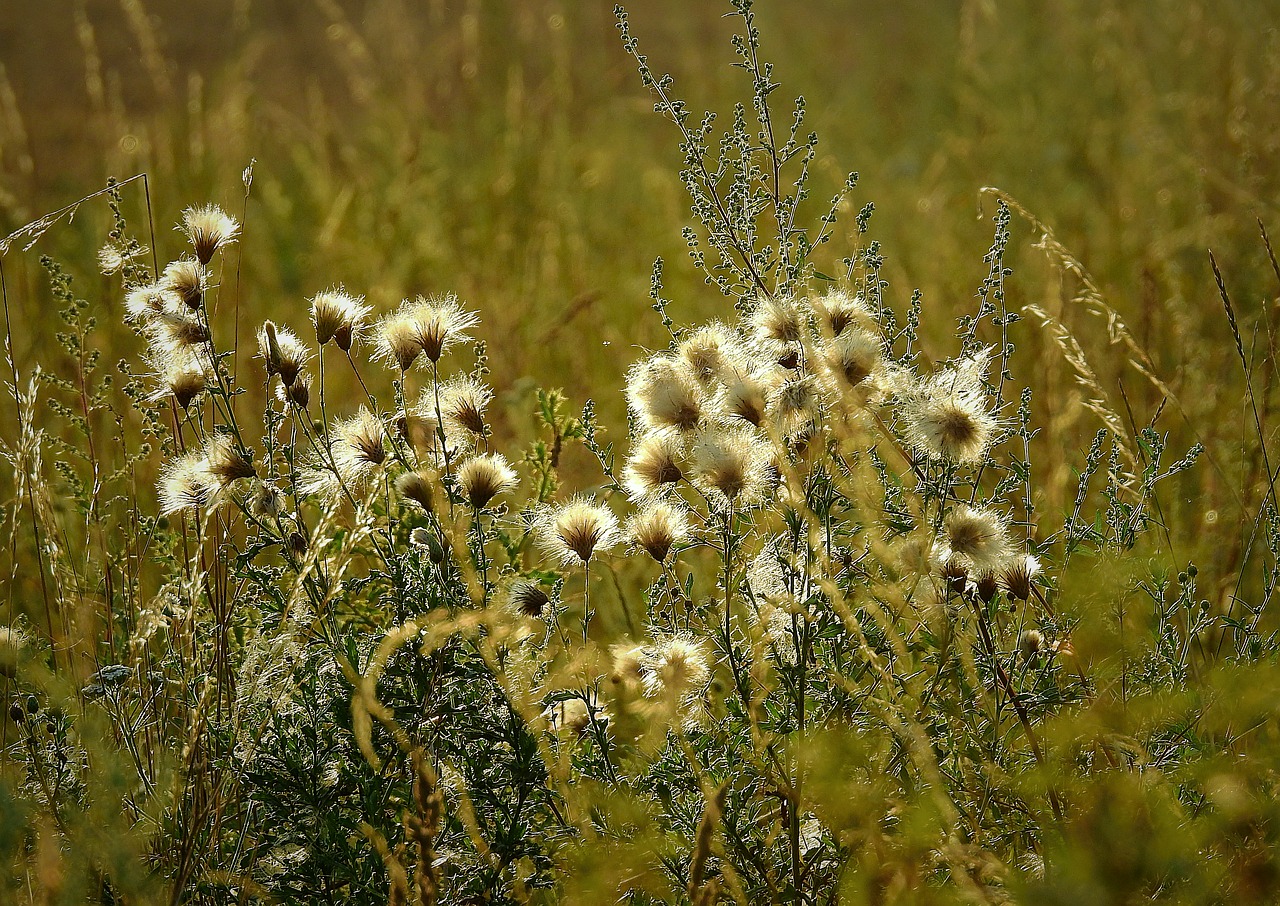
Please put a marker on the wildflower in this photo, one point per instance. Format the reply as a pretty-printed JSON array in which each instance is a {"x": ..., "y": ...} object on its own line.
[
  {"x": 419, "y": 488},
  {"x": 711, "y": 351},
  {"x": 337, "y": 316},
  {"x": 653, "y": 464},
  {"x": 462, "y": 403},
  {"x": 838, "y": 311},
  {"x": 186, "y": 279},
  {"x": 185, "y": 483},
  {"x": 281, "y": 351},
  {"x": 733, "y": 462},
  {"x": 481, "y": 478},
  {"x": 578, "y": 530},
  {"x": 658, "y": 528},
  {"x": 777, "y": 321},
  {"x": 1016, "y": 578},
  {"x": 225, "y": 461},
  {"x": 976, "y": 540},
  {"x": 852, "y": 356},
  {"x": 527, "y": 598},
  {"x": 946, "y": 418},
  {"x": 663, "y": 392},
  {"x": 677, "y": 670},
  {"x": 208, "y": 228},
  {"x": 422, "y": 327}
]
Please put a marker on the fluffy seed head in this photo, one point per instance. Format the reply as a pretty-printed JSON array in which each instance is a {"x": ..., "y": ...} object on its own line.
[
  {"x": 837, "y": 311},
  {"x": 183, "y": 374},
  {"x": 630, "y": 664},
  {"x": 357, "y": 444},
  {"x": 266, "y": 502},
  {"x": 185, "y": 484},
  {"x": 678, "y": 669},
  {"x": 527, "y": 598},
  {"x": 732, "y": 462},
  {"x": 945, "y": 417},
  {"x": 851, "y": 356},
  {"x": 208, "y": 228},
  {"x": 574, "y": 715},
  {"x": 419, "y": 488},
  {"x": 13, "y": 645},
  {"x": 1030, "y": 643},
  {"x": 711, "y": 352},
  {"x": 423, "y": 326},
  {"x": 173, "y": 332},
  {"x": 186, "y": 279},
  {"x": 463, "y": 401},
  {"x": 778, "y": 320},
  {"x": 297, "y": 394},
  {"x": 795, "y": 403},
  {"x": 663, "y": 392},
  {"x": 746, "y": 396},
  {"x": 577, "y": 530},
  {"x": 1018, "y": 576},
  {"x": 338, "y": 316},
  {"x": 145, "y": 302},
  {"x": 654, "y": 464},
  {"x": 976, "y": 540},
  {"x": 281, "y": 351},
  {"x": 225, "y": 461},
  {"x": 481, "y": 478},
  {"x": 657, "y": 528}
]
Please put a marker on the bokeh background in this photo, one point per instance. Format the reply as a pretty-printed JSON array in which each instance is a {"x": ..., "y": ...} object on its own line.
[{"x": 507, "y": 151}]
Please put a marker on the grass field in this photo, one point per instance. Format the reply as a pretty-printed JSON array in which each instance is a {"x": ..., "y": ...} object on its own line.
[{"x": 508, "y": 152}]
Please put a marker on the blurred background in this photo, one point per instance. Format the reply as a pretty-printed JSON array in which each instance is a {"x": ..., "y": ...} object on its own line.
[{"x": 507, "y": 151}]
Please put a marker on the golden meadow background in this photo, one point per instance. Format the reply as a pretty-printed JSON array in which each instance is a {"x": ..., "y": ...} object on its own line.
[{"x": 507, "y": 151}]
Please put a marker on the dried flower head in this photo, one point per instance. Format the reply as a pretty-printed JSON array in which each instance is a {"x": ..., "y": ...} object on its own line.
[
  {"x": 185, "y": 483},
  {"x": 711, "y": 352},
  {"x": 358, "y": 444},
  {"x": 975, "y": 539},
  {"x": 577, "y": 530},
  {"x": 175, "y": 331},
  {"x": 795, "y": 403},
  {"x": 526, "y": 597},
  {"x": 418, "y": 487},
  {"x": 630, "y": 664},
  {"x": 13, "y": 646},
  {"x": 187, "y": 280},
  {"x": 746, "y": 395},
  {"x": 281, "y": 351},
  {"x": 114, "y": 257},
  {"x": 208, "y": 228},
  {"x": 183, "y": 374},
  {"x": 463, "y": 401},
  {"x": 266, "y": 501},
  {"x": 654, "y": 464},
  {"x": 657, "y": 528},
  {"x": 297, "y": 394},
  {"x": 678, "y": 669},
  {"x": 1017, "y": 577},
  {"x": 575, "y": 715},
  {"x": 1030, "y": 643},
  {"x": 777, "y": 320},
  {"x": 837, "y": 311},
  {"x": 225, "y": 461},
  {"x": 145, "y": 302},
  {"x": 732, "y": 462},
  {"x": 422, "y": 326},
  {"x": 481, "y": 478},
  {"x": 663, "y": 392},
  {"x": 945, "y": 417},
  {"x": 338, "y": 316},
  {"x": 851, "y": 356}
]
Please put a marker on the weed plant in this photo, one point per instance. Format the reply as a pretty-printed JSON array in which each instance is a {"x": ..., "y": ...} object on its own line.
[{"x": 807, "y": 633}]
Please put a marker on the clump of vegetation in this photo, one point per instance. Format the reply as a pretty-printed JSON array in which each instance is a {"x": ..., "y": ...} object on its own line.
[{"x": 807, "y": 635}]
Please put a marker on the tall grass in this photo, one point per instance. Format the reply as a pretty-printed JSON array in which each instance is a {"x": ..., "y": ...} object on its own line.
[{"x": 910, "y": 608}]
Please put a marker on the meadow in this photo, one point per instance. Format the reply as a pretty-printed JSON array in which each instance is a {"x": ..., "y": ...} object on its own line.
[{"x": 412, "y": 536}]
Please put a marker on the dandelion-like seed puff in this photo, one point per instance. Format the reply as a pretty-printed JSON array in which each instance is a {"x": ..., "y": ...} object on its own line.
[
  {"x": 208, "y": 228},
  {"x": 422, "y": 326},
  {"x": 576, "y": 531},
  {"x": 338, "y": 317}
]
